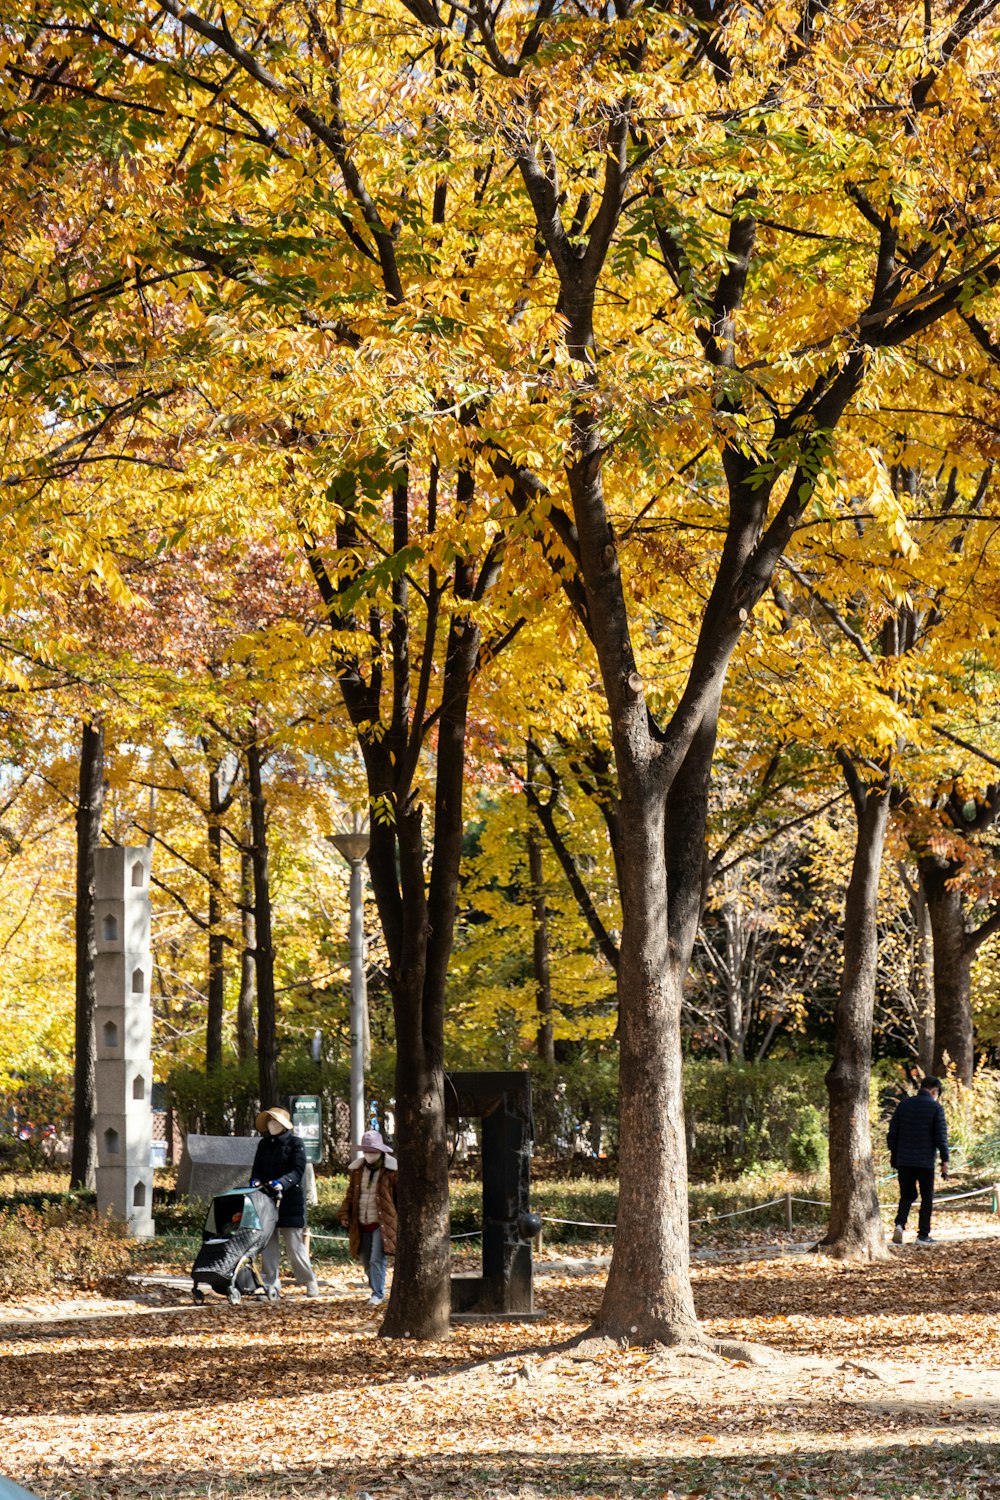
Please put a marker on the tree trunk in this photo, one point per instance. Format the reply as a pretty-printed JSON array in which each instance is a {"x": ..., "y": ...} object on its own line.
[
  {"x": 246, "y": 1035},
  {"x": 953, "y": 954},
  {"x": 540, "y": 950},
  {"x": 89, "y": 812},
  {"x": 216, "y": 942},
  {"x": 267, "y": 1037},
  {"x": 855, "y": 1228},
  {"x": 420, "y": 1300},
  {"x": 648, "y": 1293},
  {"x": 545, "y": 1125},
  {"x": 417, "y": 913},
  {"x": 922, "y": 983},
  {"x": 420, "y": 1303}
]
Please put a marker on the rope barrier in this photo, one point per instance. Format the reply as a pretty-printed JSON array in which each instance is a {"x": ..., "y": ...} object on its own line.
[
  {"x": 771, "y": 1203},
  {"x": 577, "y": 1223},
  {"x": 708, "y": 1219},
  {"x": 473, "y": 1234},
  {"x": 956, "y": 1197},
  {"x": 737, "y": 1212}
]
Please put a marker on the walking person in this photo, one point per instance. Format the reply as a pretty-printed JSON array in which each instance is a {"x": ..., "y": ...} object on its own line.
[
  {"x": 368, "y": 1211},
  {"x": 280, "y": 1162},
  {"x": 918, "y": 1131}
]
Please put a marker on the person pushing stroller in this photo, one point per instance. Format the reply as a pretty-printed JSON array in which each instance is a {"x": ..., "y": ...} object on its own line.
[{"x": 280, "y": 1164}]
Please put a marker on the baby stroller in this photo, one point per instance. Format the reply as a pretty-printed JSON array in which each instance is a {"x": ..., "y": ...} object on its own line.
[{"x": 237, "y": 1227}]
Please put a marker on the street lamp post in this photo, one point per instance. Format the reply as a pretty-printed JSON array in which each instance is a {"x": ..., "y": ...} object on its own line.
[{"x": 354, "y": 847}]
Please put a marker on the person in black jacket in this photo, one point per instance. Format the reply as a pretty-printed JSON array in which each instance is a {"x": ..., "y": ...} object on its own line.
[
  {"x": 918, "y": 1130},
  {"x": 280, "y": 1162}
]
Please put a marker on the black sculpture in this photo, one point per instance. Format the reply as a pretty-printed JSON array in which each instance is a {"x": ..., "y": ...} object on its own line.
[{"x": 502, "y": 1101}]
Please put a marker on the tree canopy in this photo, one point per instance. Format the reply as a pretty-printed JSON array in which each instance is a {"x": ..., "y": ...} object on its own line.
[{"x": 394, "y": 389}]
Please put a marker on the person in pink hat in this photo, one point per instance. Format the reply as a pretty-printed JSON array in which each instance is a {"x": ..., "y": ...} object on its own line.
[{"x": 368, "y": 1211}]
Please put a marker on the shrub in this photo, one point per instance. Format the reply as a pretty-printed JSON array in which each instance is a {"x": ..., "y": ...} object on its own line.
[
  {"x": 60, "y": 1245},
  {"x": 741, "y": 1115},
  {"x": 808, "y": 1147},
  {"x": 974, "y": 1120},
  {"x": 228, "y": 1100},
  {"x": 43, "y": 1198}
]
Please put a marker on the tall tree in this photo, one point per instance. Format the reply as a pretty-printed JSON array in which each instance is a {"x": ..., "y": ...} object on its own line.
[
  {"x": 949, "y": 865},
  {"x": 664, "y": 767},
  {"x": 697, "y": 299},
  {"x": 855, "y": 1227},
  {"x": 90, "y": 811},
  {"x": 416, "y": 889},
  {"x": 267, "y": 1010},
  {"x": 221, "y": 791}
]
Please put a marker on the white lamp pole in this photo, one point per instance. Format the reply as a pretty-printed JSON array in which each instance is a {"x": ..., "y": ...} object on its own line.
[{"x": 354, "y": 847}]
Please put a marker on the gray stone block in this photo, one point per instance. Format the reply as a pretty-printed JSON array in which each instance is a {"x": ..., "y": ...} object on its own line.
[
  {"x": 127, "y": 1193},
  {"x": 122, "y": 870},
  {"x": 121, "y": 977},
  {"x": 129, "y": 1081},
  {"x": 124, "y": 1031},
  {"x": 213, "y": 1164},
  {"x": 122, "y": 926}
]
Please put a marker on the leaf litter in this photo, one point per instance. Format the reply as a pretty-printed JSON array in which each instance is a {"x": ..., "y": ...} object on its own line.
[{"x": 864, "y": 1380}]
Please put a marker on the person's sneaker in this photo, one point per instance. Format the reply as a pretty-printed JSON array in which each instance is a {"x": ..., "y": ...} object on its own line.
[
  {"x": 313, "y": 1291},
  {"x": 897, "y": 1234},
  {"x": 374, "y": 1301},
  {"x": 925, "y": 1239}
]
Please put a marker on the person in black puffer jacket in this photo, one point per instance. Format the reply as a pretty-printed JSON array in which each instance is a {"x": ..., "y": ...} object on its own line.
[
  {"x": 280, "y": 1161},
  {"x": 918, "y": 1131}
]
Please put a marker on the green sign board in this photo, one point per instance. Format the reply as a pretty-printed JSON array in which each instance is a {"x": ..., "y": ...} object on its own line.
[{"x": 307, "y": 1121}]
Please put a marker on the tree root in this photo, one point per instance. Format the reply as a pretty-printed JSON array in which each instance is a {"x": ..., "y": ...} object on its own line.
[
  {"x": 736, "y": 1349},
  {"x": 847, "y": 1249},
  {"x": 703, "y": 1354}
]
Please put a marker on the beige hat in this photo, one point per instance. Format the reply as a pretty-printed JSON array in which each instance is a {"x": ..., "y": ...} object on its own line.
[{"x": 282, "y": 1116}]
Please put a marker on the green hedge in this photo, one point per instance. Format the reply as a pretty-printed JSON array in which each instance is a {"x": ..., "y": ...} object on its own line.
[
  {"x": 83, "y": 1199},
  {"x": 736, "y": 1115},
  {"x": 206, "y": 1102},
  {"x": 744, "y": 1115}
]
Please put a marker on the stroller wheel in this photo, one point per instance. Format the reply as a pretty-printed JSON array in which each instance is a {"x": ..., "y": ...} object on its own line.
[
  {"x": 234, "y": 1296},
  {"x": 197, "y": 1295},
  {"x": 273, "y": 1294}
]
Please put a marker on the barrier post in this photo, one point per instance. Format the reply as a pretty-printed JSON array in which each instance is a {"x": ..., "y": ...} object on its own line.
[{"x": 788, "y": 1212}]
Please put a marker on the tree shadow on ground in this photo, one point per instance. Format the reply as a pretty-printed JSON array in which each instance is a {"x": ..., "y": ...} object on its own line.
[
  {"x": 952, "y": 1279},
  {"x": 207, "y": 1357},
  {"x": 967, "y": 1471}
]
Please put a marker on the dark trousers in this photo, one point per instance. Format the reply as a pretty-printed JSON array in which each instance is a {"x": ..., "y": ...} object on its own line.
[{"x": 910, "y": 1179}]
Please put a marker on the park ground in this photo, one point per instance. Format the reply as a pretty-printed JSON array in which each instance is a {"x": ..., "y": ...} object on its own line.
[{"x": 858, "y": 1381}]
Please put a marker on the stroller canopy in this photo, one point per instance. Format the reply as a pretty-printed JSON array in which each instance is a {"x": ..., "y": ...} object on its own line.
[{"x": 244, "y": 1208}]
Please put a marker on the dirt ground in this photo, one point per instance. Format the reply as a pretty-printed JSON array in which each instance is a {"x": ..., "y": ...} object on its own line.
[{"x": 870, "y": 1381}]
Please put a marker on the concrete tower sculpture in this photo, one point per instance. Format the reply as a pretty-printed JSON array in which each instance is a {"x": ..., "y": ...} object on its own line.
[{"x": 124, "y": 1016}]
